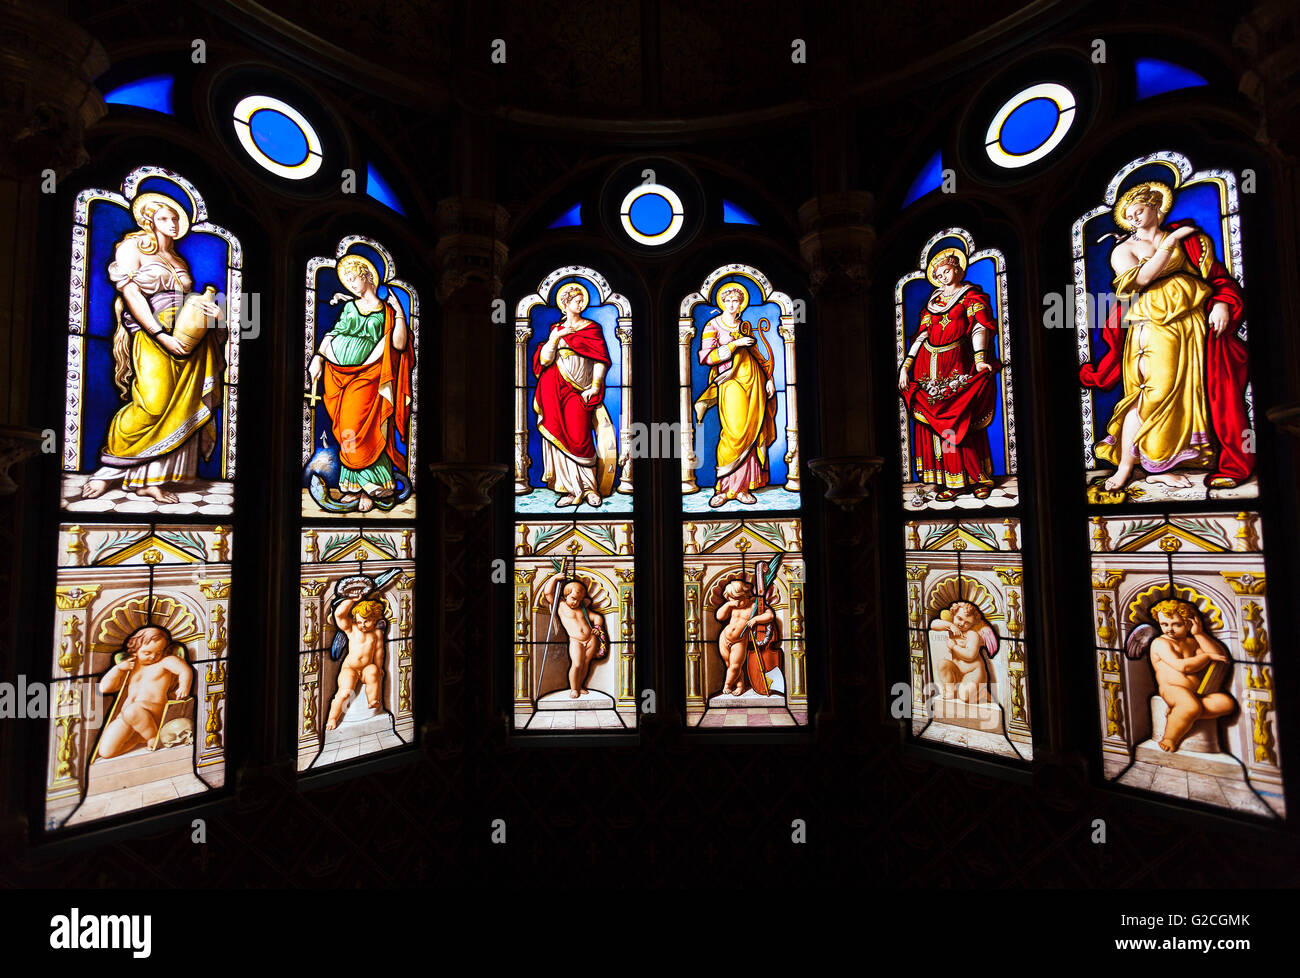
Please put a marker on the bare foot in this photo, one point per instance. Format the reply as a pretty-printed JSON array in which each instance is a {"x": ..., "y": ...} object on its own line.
[
  {"x": 746, "y": 497},
  {"x": 331, "y": 725},
  {"x": 574, "y": 694},
  {"x": 365, "y": 504},
  {"x": 737, "y": 691},
  {"x": 1167, "y": 744},
  {"x": 566, "y": 501},
  {"x": 153, "y": 492},
  {"x": 1118, "y": 480},
  {"x": 93, "y": 488},
  {"x": 718, "y": 500},
  {"x": 1177, "y": 481},
  {"x": 593, "y": 499}
]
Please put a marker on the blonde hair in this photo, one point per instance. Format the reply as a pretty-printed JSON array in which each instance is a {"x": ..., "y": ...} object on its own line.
[
  {"x": 1175, "y": 608},
  {"x": 737, "y": 588},
  {"x": 976, "y": 613},
  {"x": 146, "y": 239},
  {"x": 357, "y": 267},
  {"x": 370, "y": 608},
  {"x": 954, "y": 262},
  {"x": 569, "y": 290},
  {"x": 730, "y": 289},
  {"x": 146, "y": 243}
]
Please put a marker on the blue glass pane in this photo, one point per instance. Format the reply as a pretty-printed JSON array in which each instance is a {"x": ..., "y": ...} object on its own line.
[
  {"x": 930, "y": 178},
  {"x": 278, "y": 136},
  {"x": 1155, "y": 77},
  {"x": 153, "y": 93},
  {"x": 731, "y": 214},
  {"x": 651, "y": 214},
  {"x": 378, "y": 188},
  {"x": 571, "y": 218},
  {"x": 1029, "y": 126}
]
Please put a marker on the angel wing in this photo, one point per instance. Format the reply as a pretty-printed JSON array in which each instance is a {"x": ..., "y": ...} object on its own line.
[
  {"x": 989, "y": 639},
  {"x": 1139, "y": 641}
]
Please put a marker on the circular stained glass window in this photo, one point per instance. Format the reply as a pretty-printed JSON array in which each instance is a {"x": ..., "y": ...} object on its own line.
[
  {"x": 1030, "y": 125},
  {"x": 652, "y": 214},
  {"x": 278, "y": 137}
]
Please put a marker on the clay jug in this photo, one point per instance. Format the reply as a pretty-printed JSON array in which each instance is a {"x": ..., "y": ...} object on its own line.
[{"x": 191, "y": 324}]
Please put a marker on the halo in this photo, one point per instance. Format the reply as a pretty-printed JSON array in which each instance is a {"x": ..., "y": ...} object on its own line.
[
  {"x": 957, "y": 252},
  {"x": 744, "y": 295},
  {"x": 1165, "y": 191},
  {"x": 182, "y": 212},
  {"x": 586, "y": 295},
  {"x": 355, "y": 259}
]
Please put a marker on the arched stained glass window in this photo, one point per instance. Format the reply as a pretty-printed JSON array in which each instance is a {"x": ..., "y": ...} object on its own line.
[
  {"x": 359, "y": 440},
  {"x": 1179, "y": 593},
  {"x": 742, "y": 551},
  {"x": 573, "y": 612},
  {"x": 138, "y": 668},
  {"x": 964, "y": 569}
]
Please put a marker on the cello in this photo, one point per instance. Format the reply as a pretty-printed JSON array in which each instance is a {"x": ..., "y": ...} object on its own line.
[{"x": 764, "y": 653}]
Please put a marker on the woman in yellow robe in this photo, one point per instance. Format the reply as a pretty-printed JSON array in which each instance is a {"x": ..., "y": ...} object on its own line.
[
  {"x": 740, "y": 386},
  {"x": 1163, "y": 420},
  {"x": 157, "y": 436}
]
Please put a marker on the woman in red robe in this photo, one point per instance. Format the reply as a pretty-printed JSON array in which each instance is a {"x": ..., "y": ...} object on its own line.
[
  {"x": 949, "y": 383},
  {"x": 578, "y": 441}
]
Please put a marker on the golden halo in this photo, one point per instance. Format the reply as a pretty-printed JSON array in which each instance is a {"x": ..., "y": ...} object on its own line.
[
  {"x": 744, "y": 296},
  {"x": 365, "y": 263},
  {"x": 1165, "y": 191},
  {"x": 935, "y": 259},
  {"x": 586, "y": 296},
  {"x": 182, "y": 212}
]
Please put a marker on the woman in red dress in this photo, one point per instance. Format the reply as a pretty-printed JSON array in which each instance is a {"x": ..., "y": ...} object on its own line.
[{"x": 948, "y": 381}]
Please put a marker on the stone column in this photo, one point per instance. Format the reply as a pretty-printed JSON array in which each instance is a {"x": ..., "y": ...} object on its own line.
[
  {"x": 624, "y": 333},
  {"x": 627, "y": 631},
  {"x": 314, "y": 619},
  {"x": 695, "y": 692},
  {"x": 469, "y": 259},
  {"x": 1106, "y": 611},
  {"x": 690, "y": 462},
  {"x": 1013, "y": 579}
]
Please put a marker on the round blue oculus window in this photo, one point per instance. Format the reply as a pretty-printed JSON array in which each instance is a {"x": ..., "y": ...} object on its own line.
[
  {"x": 1029, "y": 126},
  {"x": 278, "y": 136},
  {"x": 651, "y": 214}
]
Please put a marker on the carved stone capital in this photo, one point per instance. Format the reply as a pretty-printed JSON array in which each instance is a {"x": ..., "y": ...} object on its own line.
[
  {"x": 471, "y": 244},
  {"x": 838, "y": 241},
  {"x": 1268, "y": 38},
  {"x": 16, "y": 444},
  {"x": 468, "y": 483},
  {"x": 49, "y": 96},
  {"x": 1286, "y": 417},
  {"x": 847, "y": 477}
]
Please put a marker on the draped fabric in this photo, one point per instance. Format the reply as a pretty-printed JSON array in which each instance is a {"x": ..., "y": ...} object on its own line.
[
  {"x": 1190, "y": 393},
  {"x": 366, "y": 387},
  {"x": 950, "y": 403}
]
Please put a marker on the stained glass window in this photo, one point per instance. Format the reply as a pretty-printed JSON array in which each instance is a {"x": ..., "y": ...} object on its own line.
[
  {"x": 744, "y": 583},
  {"x": 154, "y": 92},
  {"x": 141, "y": 642},
  {"x": 1155, "y": 77},
  {"x": 957, "y": 428},
  {"x": 573, "y": 612},
  {"x": 359, "y": 441},
  {"x": 1183, "y": 663},
  {"x": 277, "y": 137},
  {"x": 966, "y": 626},
  {"x": 1157, "y": 426},
  {"x": 1029, "y": 125}
]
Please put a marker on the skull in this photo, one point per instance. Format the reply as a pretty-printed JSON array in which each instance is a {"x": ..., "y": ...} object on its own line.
[{"x": 176, "y": 732}]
